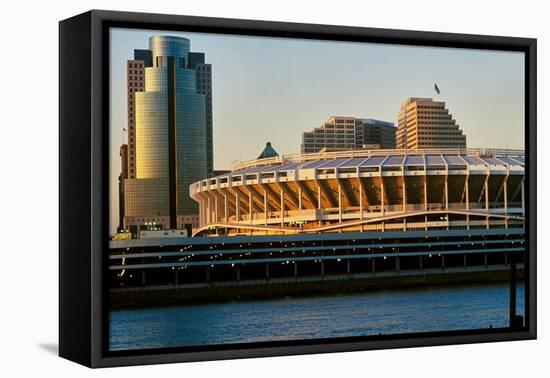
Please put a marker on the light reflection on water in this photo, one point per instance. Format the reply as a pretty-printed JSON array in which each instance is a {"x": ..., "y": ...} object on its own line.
[{"x": 385, "y": 312}]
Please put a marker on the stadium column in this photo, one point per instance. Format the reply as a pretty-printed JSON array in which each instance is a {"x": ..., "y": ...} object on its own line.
[
  {"x": 404, "y": 194},
  {"x": 225, "y": 213},
  {"x": 446, "y": 190},
  {"x": 425, "y": 192},
  {"x": 319, "y": 203},
  {"x": 382, "y": 190},
  {"x": 446, "y": 186},
  {"x": 208, "y": 210},
  {"x": 339, "y": 203},
  {"x": 505, "y": 187},
  {"x": 299, "y": 198},
  {"x": 265, "y": 207},
  {"x": 216, "y": 209},
  {"x": 487, "y": 196},
  {"x": 425, "y": 198},
  {"x": 467, "y": 190},
  {"x": 237, "y": 207},
  {"x": 282, "y": 207},
  {"x": 200, "y": 217},
  {"x": 250, "y": 205},
  {"x": 360, "y": 200}
]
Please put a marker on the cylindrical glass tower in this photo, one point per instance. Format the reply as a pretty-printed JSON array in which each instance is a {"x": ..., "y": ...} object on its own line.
[{"x": 187, "y": 112}]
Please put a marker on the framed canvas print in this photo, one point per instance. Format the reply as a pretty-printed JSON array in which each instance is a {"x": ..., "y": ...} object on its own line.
[{"x": 234, "y": 188}]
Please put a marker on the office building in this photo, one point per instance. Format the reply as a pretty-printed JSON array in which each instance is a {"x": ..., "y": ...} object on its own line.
[
  {"x": 425, "y": 123},
  {"x": 349, "y": 133},
  {"x": 135, "y": 82},
  {"x": 169, "y": 143}
]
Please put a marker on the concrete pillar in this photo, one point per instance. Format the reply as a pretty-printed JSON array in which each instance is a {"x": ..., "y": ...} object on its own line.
[
  {"x": 487, "y": 194},
  {"x": 467, "y": 189},
  {"x": 299, "y": 198},
  {"x": 225, "y": 208},
  {"x": 382, "y": 190},
  {"x": 216, "y": 209},
  {"x": 237, "y": 207},
  {"x": 319, "y": 204},
  {"x": 265, "y": 207},
  {"x": 250, "y": 206},
  {"x": 404, "y": 195},
  {"x": 446, "y": 192},
  {"x": 339, "y": 203},
  {"x": 506, "y": 195},
  {"x": 208, "y": 210},
  {"x": 282, "y": 207},
  {"x": 360, "y": 200},
  {"x": 425, "y": 192}
]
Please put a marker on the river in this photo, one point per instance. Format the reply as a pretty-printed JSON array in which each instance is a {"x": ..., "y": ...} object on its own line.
[{"x": 379, "y": 312}]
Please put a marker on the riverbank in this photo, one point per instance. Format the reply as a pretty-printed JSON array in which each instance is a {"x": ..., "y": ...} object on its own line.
[{"x": 151, "y": 296}]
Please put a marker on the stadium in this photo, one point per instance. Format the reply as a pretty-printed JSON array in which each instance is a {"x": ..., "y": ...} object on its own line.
[{"x": 365, "y": 190}]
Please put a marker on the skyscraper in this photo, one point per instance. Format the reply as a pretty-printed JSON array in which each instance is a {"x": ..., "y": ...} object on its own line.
[
  {"x": 348, "y": 133},
  {"x": 172, "y": 131},
  {"x": 203, "y": 72},
  {"x": 135, "y": 82},
  {"x": 425, "y": 123}
]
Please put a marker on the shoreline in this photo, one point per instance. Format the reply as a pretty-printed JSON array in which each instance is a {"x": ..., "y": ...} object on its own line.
[{"x": 222, "y": 292}]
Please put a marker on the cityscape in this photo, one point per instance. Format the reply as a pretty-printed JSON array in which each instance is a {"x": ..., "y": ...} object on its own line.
[{"x": 364, "y": 204}]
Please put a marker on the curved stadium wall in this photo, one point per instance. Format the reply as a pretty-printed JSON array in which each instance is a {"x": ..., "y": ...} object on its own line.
[{"x": 365, "y": 190}]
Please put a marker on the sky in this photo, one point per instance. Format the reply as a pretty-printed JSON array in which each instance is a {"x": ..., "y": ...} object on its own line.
[{"x": 274, "y": 89}]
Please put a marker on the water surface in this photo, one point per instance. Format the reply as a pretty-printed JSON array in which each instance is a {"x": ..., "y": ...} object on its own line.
[{"x": 380, "y": 312}]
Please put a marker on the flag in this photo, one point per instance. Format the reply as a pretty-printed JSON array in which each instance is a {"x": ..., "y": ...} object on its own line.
[{"x": 436, "y": 88}]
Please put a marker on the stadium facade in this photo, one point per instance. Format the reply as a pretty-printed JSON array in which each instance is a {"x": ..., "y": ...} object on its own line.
[
  {"x": 365, "y": 190},
  {"x": 340, "y": 221}
]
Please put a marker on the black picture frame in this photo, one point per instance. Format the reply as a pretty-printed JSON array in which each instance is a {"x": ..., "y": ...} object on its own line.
[{"x": 83, "y": 196}]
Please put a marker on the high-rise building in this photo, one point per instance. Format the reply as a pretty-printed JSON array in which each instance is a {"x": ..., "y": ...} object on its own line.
[
  {"x": 135, "y": 82},
  {"x": 349, "y": 133},
  {"x": 171, "y": 123},
  {"x": 376, "y": 133},
  {"x": 425, "y": 123},
  {"x": 203, "y": 72}
]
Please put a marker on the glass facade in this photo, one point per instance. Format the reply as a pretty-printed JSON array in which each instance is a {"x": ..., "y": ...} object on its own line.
[{"x": 148, "y": 194}]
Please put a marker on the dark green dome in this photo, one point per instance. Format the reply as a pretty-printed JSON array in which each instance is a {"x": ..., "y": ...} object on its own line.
[{"x": 268, "y": 152}]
